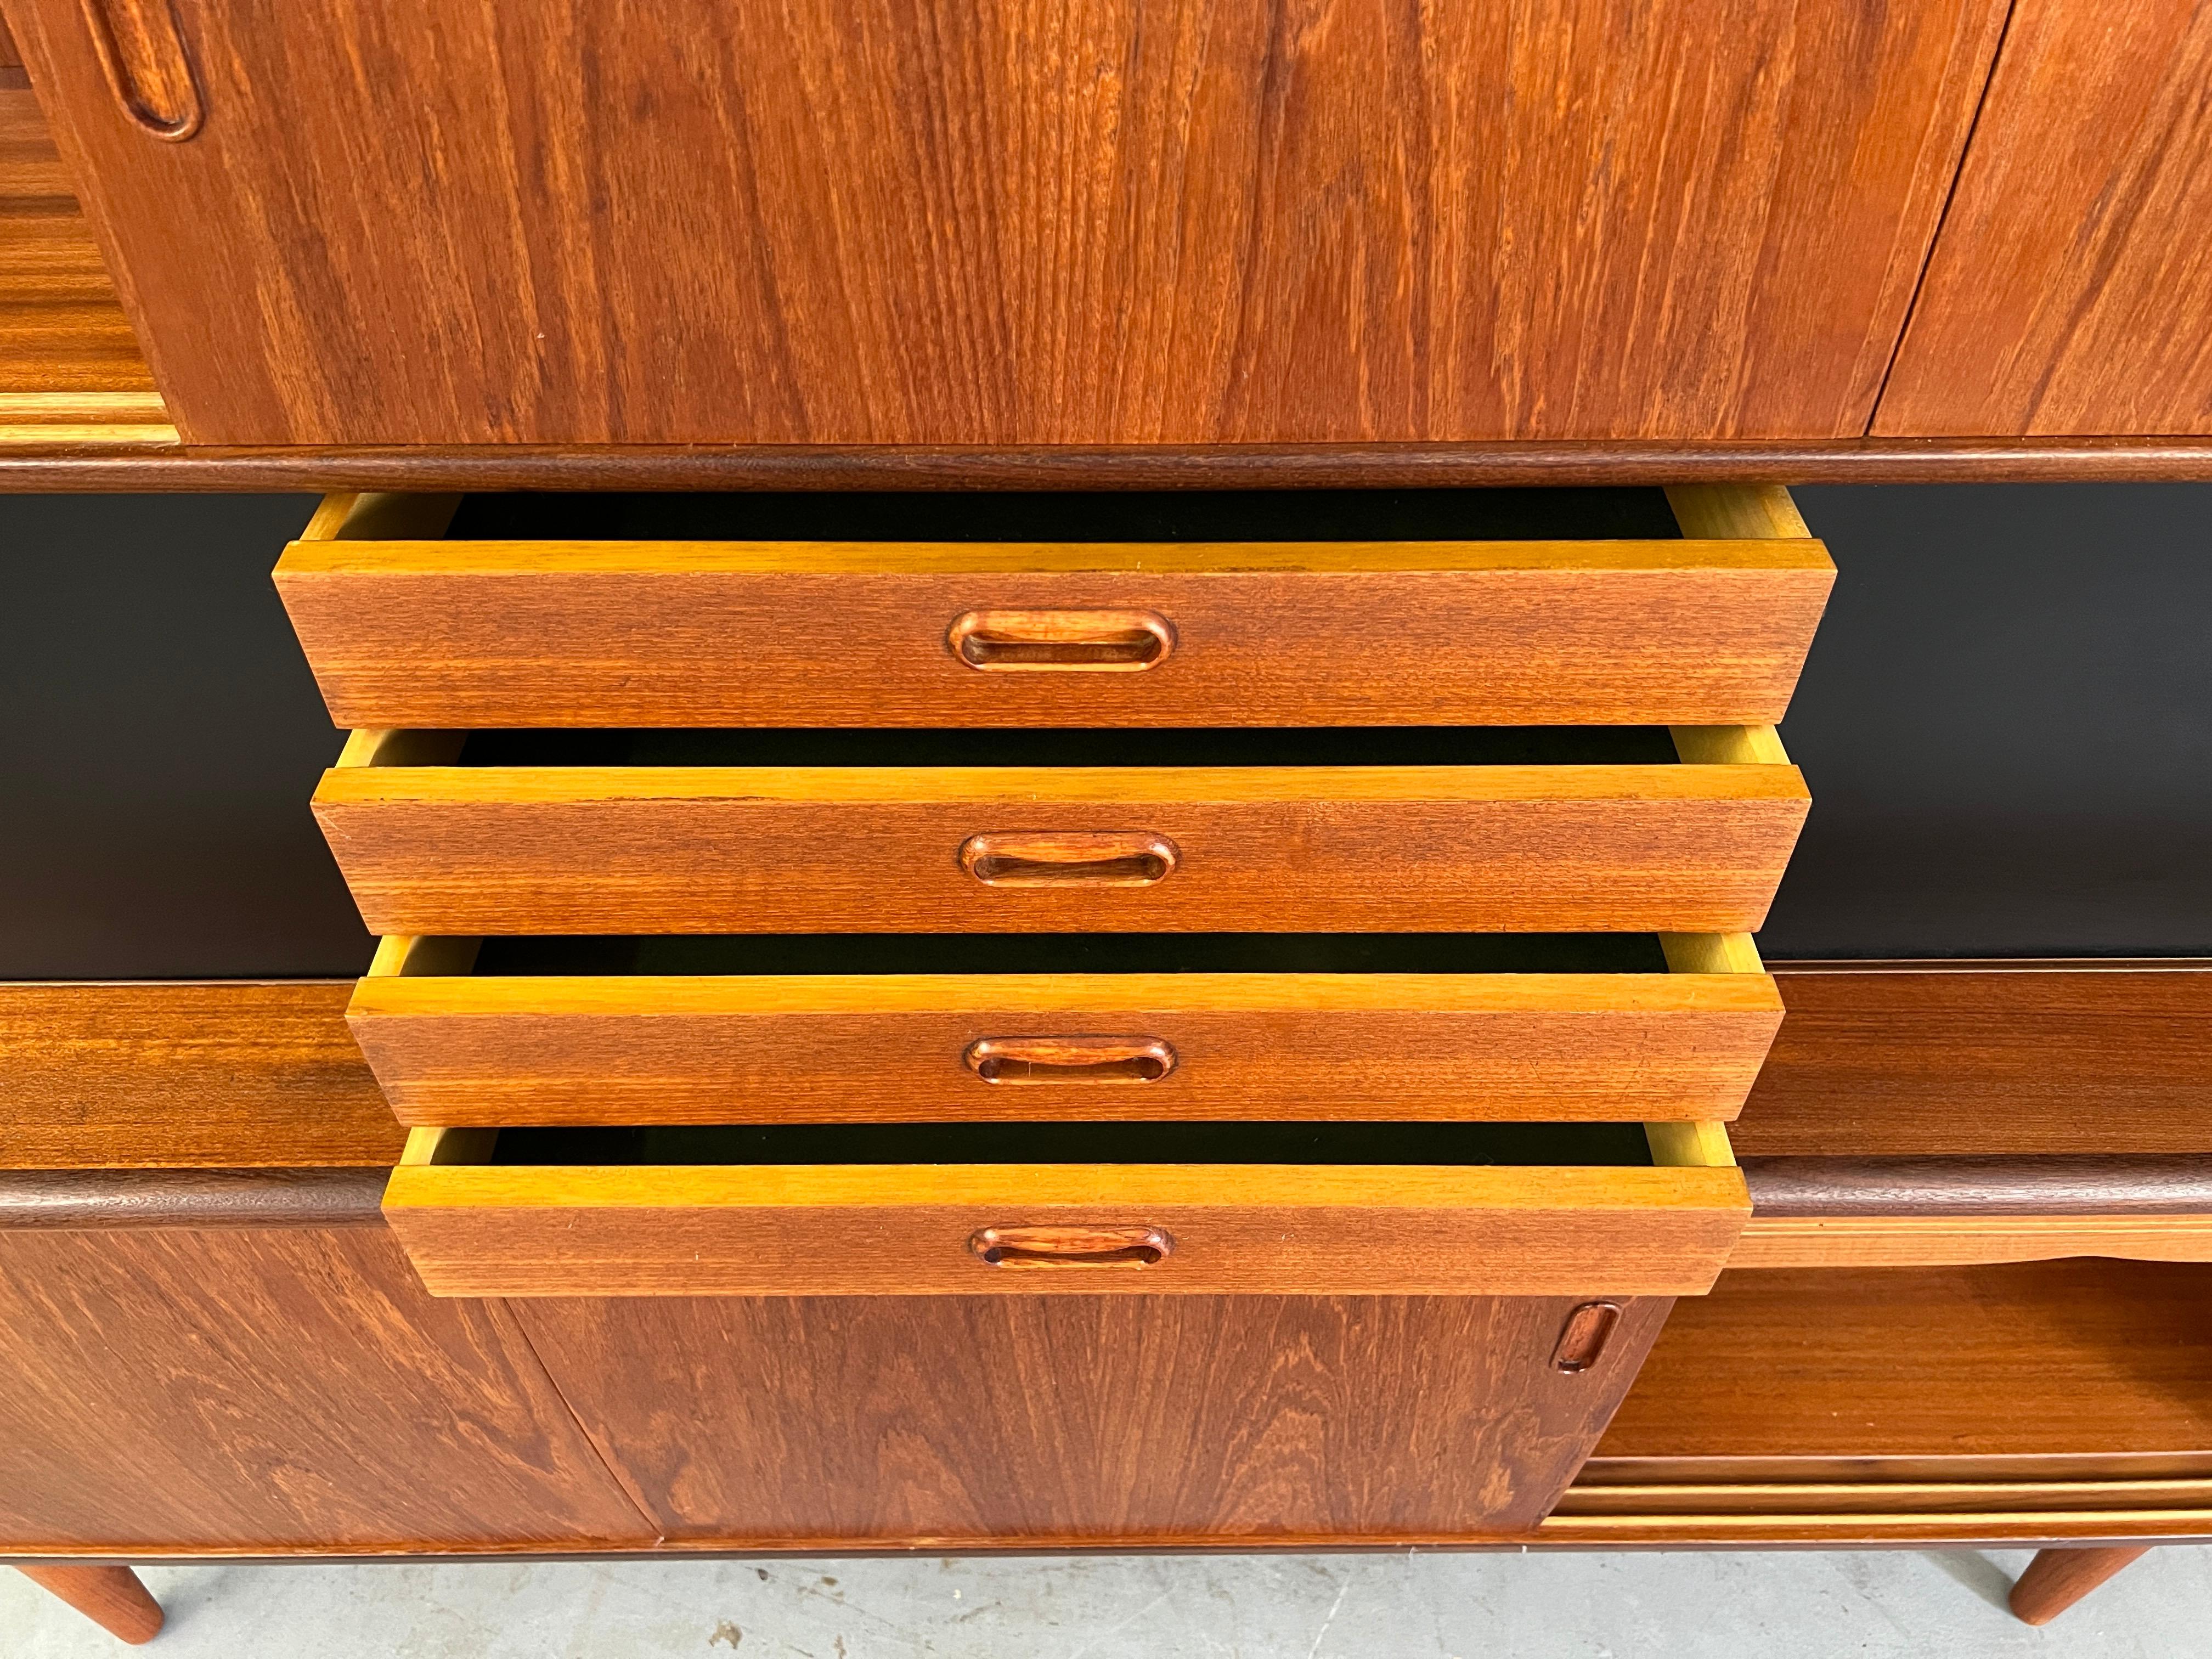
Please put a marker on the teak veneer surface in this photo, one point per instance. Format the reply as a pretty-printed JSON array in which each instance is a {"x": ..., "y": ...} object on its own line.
[
  {"x": 620, "y": 634},
  {"x": 890, "y": 1046},
  {"x": 1150, "y": 223},
  {"x": 2070, "y": 290},
  {"x": 864, "y": 1228},
  {"x": 2093, "y": 1365},
  {"x": 2063, "y": 1057},
  {"x": 1088, "y": 1419},
  {"x": 727, "y": 849},
  {"x": 167, "y": 1074},
  {"x": 272, "y": 1388},
  {"x": 70, "y": 365}
]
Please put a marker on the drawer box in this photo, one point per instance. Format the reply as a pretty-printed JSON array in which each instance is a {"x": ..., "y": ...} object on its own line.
[
  {"x": 825, "y": 1028},
  {"x": 1624, "y": 829},
  {"x": 1161, "y": 1208},
  {"x": 1134, "y": 613}
]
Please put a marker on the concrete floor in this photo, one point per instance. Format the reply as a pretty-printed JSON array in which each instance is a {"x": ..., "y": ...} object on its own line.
[{"x": 1770, "y": 1606}]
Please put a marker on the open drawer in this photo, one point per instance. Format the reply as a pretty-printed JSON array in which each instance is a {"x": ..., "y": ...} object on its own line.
[
  {"x": 1599, "y": 1210},
  {"x": 1489, "y": 829},
  {"x": 919, "y": 1027},
  {"x": 1476, "y": 607}
]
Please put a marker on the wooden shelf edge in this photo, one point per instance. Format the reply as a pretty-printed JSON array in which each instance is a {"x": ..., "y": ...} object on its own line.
[{"x": 84, "y": 461}]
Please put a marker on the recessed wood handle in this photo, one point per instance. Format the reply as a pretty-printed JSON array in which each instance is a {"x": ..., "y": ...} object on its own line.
[
  {"x": 1049, "y": 859},
  {"x": 141, "y": 52},
  {"x": 1061, "y": 641},
  {"x": 1022, "y": 1060},
  {"x": 1072, "y": 1246},
  {"x": 1588, "y": 1329}
]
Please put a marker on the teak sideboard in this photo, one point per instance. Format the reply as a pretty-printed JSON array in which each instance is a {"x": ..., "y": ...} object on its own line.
[{"x": 1016, "y": 907}]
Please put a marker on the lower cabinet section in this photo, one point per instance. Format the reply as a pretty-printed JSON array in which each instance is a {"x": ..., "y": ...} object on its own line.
[
  {"x": 275, "y": 1389},
  {"x": 956, "y": 1421}
]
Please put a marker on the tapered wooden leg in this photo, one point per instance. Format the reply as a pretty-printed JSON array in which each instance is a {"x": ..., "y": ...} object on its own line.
[
  {"x": 2057, "y": 1578},
  {"x": 112, "y": 1597}
]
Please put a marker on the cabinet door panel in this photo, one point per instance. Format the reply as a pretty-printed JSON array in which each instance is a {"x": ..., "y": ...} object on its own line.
[
  {"x": 1092, "y": 1419},
  {"x": 2071, "y": 289},
  {"x": 274, "y": 1388},
  {"x": 941, "y": 221}
]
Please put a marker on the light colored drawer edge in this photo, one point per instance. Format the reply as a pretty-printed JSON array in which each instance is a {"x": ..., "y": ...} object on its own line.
[{"x": 1967, "y": 1241}]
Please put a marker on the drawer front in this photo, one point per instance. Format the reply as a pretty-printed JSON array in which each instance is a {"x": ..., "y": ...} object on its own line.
[
  {"x": 915, "y": 1047},
  {"x": 1687, "y": 848},
  {"x": 479, "y": 1229},
  {"x": 645, "y": 633}
]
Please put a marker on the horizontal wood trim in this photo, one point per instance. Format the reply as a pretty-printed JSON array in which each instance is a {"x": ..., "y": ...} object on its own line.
[
  {"x": 889, "y": 1048},
  {"x": 98, "y": 1200},
  {"x": 2121, "y": 460},
  {"x": 1243, "y": 1229},
  {"x": 1925, "y": 1497},
  {"x": 1944, "y": 1058},
  {"x": 1981, "y": 1186},
  {"x": 1894, "y": 1241},
  {"x": 345, "y": 556},
  {"x": 586, "y": 849},
  {"x": 614, "y": 634},
  {"x": 187, "y": 1073}
]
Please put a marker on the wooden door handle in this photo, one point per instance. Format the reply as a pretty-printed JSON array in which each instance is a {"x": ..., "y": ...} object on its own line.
[
  {"x": 1588, "y": 1329},
  {"x": 1054, "y": 859},
  {"x": 1072, "y": 1246},
  {"x": 141, "y": 52},
  {"x": 1022, "y": 1060},
  {"x": 1061, "y": 641}
]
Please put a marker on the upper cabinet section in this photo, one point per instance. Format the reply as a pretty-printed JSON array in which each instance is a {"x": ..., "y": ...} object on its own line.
[
  {"x": 1015, "y": 221},
  {"x": 2071, "y": 289}
]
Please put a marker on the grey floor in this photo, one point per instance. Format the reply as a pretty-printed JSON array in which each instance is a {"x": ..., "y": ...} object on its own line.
[{"x": 1772, "y": 1606}]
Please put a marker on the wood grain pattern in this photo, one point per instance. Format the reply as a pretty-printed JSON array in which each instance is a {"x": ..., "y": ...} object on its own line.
[
  {"x": 729, "y": 849},
  {"x": 944, "y": 223},
  {"x": 1248, "y": 1229},
  {"x": 1945, "y": 1241},
  {"x": 615, "y": 634},
  {"x": 2070, "y": 289},
  {"x": 2057, "y": 1578},
  {"x": 112, "y": 1597},
  {"x": 892, "y": 1047},
  {"x": 60, "y": 467},
  {"x": 1905, "y": 1058},
  {"x": 70, "y": 371},
  {"x": 270, "y": 1389},
  {"x": 2013, "y": 1371},
  {"x": 1095, "y": 1420},
  {"x": 228, "y": 1073}
]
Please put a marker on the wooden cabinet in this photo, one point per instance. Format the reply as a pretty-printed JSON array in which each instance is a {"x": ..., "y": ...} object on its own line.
[
  {"x": 267, "y": 1388},
  {"x": 2070, "y": 289},
  {"x": 952, "y": 1421},
  {"x": 935, "y": 222}
]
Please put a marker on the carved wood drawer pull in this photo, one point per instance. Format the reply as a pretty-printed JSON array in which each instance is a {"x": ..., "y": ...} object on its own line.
[
  {"x": 141, "y": 52},
  {"x": 1061, "y": 641},
  {"x": 1588, "y": 1330},
  {"x": 1048, "y": 859},
  {"x": 1022, "y": 1060},
  {"x": 1072, "y": 1246}
]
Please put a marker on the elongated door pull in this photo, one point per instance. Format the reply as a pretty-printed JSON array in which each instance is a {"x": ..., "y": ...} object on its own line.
[
  {"x": 1061, "y": 641},
  {"x": 141, "y": 52},
  {"x": 1022, "y": 1060},
  {"x": 1050, "y": 858},
  {"x": 1072, "y": 1246},
  {"x": 1588, "y": 1329}
]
